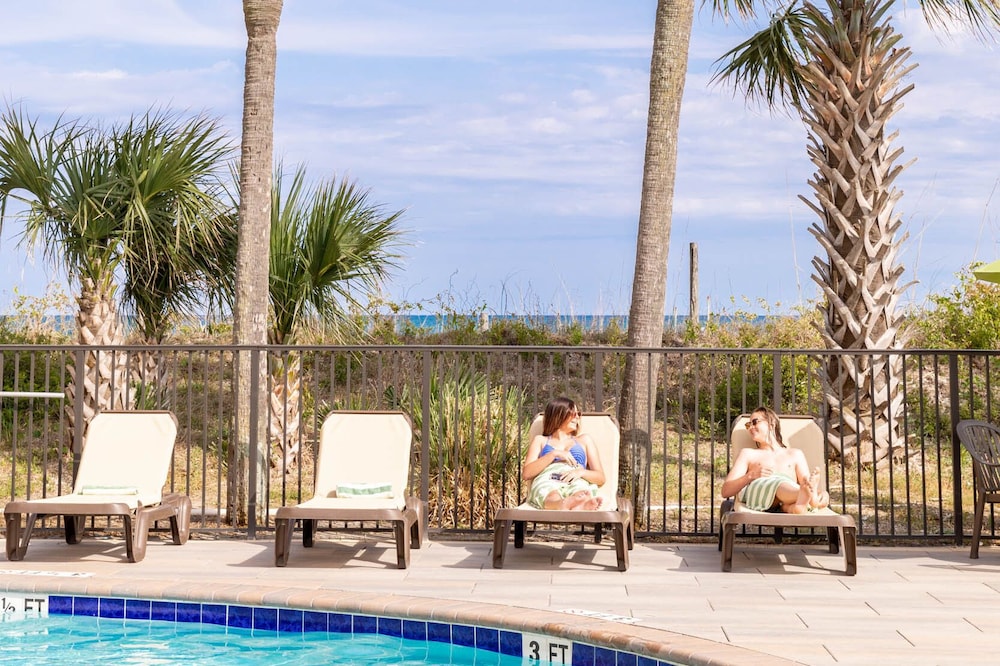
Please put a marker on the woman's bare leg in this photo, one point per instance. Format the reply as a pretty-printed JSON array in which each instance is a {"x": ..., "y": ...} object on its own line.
[
  {"x": 793, "y": 497},
  {"x": 819, "y": 498},
  {"x": 578, "y": 501}
]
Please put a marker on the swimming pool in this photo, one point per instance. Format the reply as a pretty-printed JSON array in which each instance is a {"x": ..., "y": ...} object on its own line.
[
  {"x": 64, "y": 640},
  {"x": 160, "y": 626}
]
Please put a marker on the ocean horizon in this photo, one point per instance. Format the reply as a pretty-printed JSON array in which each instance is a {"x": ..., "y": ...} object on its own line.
[{"x": 437, "y": 323}]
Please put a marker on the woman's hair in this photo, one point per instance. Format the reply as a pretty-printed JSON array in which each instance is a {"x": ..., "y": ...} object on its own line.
[
  {"x": 773, "y": 421},
  {"x": 556, "y": 413}
]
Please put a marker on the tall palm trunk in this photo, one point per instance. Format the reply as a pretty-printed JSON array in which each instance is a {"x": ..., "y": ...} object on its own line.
[
  {"x": 251, "y": 311},
  {"x": 285, "y": 413},
  {"x": 105, "y": 371},
  {"x": 853, "y": 89},
  {"x": 667, "y": 71}
]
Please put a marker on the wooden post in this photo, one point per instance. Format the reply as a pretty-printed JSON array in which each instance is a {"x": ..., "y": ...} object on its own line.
[{"x": 693, "y": 279}]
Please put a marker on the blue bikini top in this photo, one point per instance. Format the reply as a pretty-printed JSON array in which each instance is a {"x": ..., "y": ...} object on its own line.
[{"x": 577, "y": 451}]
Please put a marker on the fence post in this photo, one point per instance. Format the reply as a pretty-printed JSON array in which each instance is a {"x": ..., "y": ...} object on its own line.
[
  {"x": 599, "y": 381},
  {"x": 956, "y": 455},
  {"x": 776, "y": 402},
  {"x": 425, "y": 430},
  {"x": 254, "y": 443}
]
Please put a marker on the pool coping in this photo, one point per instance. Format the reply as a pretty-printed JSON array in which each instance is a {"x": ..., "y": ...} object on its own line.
[{"x": 643, "y": 641}]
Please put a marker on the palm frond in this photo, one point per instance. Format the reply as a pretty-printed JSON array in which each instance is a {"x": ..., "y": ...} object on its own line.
[
  {"x": 981, "y": 16},
  {"x": 767, "y": 68},
  {"x": 329, "y": 246}
]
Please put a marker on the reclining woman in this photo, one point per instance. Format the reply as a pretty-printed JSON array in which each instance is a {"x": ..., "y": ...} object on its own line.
[
  {"x": 772, "y": 476},
  {"x": 562, "y": 463}
]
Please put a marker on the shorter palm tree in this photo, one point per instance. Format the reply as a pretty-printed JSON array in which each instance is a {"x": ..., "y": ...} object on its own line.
[
  {"x": 331, "y": 249},
  {"x": 103, "y": 202}
]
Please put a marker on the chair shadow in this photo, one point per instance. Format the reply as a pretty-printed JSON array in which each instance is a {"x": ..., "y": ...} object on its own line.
[{"x": 326, "y": 553}]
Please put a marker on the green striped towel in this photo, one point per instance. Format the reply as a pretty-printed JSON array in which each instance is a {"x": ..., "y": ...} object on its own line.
[
  {"x": 98, "y": 489},
  {"x": 364, "y": 490}
]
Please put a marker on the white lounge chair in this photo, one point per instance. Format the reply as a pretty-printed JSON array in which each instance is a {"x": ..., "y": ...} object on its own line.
[
  {"x": 123, "y": 467},
  {"x": 615, "y": 511},
  {"x": 800, "y": 432},
  {"x": 362, "y": 472}
]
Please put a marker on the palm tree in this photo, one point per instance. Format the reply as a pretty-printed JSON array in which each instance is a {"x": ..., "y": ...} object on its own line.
[
  {"x": 841, "y": 66},
  {"x": 96, "y": 201},
  {"x": 250, "y": 312},
  {"x": 330, "y": 247},
  {"x": 667, "y": 71},
  {"x": 187, "y": 234},
  {"x": 187, "y": 230}
]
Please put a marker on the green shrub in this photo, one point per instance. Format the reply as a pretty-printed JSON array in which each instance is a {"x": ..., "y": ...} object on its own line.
[{"x": 964, "y": 318}]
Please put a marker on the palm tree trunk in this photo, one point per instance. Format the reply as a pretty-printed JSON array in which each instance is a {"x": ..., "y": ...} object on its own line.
[
  {"x": 285, "y": 413},
  {"x": 854, "y": 89},
  {"x": 250, "y": 315},
  {"x": 105, "y": 373},
  {"x": 667, "y": 72}
]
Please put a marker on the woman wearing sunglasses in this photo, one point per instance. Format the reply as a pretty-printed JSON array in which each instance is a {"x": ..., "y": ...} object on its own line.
[
  {"x": 772, "y": 476},
  {"x": 562, "y": 463}
]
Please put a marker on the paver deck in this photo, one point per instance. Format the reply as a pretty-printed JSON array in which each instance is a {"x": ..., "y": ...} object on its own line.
[{"x": 912, "y": 605}]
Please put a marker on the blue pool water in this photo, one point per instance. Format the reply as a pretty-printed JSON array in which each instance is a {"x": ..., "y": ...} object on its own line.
[
  {"x": 68, "y": 629},
  {"x": 64, "y": 639}
]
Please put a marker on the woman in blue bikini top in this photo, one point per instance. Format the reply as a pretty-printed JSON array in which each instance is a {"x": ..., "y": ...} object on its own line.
[{"x": 562, "y": 463}]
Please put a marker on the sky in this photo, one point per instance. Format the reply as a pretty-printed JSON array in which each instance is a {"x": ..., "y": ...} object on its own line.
[{"x": 512, "y": 135}]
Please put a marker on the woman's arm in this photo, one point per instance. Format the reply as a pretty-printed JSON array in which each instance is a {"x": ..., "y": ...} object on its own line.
[
  {"x": 534, "y": 464},
  {"x": 740, "y": 475},
  {"x": 594, "y": 472}
]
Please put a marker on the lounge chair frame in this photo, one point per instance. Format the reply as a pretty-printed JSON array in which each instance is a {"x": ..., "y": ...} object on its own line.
[
  {"x": 803, "y": 433},
  {"x": 982, "y": 440},
  {"x": 618, "y": 517},
  {"x": 137, "y": 520},
  {"x": 408, "y": 521}
]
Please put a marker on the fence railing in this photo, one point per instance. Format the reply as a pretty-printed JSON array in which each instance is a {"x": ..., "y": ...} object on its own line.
[{"x": 471, "y": 407}]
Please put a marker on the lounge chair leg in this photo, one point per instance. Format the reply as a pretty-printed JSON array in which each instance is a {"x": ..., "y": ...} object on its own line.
[
  {"x": 977, "y": 525},
  {"x": 180, "y": 521},
  {"x": 621, "y": 550},
  {"x": 598, "y": 532},
  {"x": 135, "y": 552},
  {"x": 727, "y": 506},
  {"x": 728, "y": 536},
  {"x": 74, "y": 528},
  {"x": 308, "y": 532},
  {"x": 501, "y": 533},
  {"x": 15, "y": 549},
  {"x": 416, "y": 535},
  {"x": 833, "y": 533},
  {"x": 520, "y": 527},
  {"x": 282, "y": 540},
  {"x": 625, "y": 507},
  {"x": 417, "y": 527},
  {"x": 849, "y": 535},
  {"x": 402, "y": 545}
]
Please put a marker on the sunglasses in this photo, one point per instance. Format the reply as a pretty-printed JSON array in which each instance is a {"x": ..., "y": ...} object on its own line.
[{"x": 753, "y": 422}]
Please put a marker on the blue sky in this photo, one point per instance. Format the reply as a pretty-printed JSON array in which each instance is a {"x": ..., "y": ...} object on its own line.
[{"x": 513, "y": 134}]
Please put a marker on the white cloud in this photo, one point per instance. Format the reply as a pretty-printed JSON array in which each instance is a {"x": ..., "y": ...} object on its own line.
[
  {"x": 150, "y": 22},
  {"x": 495, "y": 123}
]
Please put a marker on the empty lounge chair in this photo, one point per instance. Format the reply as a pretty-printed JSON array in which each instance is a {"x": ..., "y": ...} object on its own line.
[{"x": 123, "y": 468}]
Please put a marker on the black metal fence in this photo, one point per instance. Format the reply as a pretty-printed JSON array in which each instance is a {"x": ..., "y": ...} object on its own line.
[{"x": 471, "y": 407}]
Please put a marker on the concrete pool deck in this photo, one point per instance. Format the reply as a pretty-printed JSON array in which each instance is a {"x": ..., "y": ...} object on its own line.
[{"x": 913, "y": 605}]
